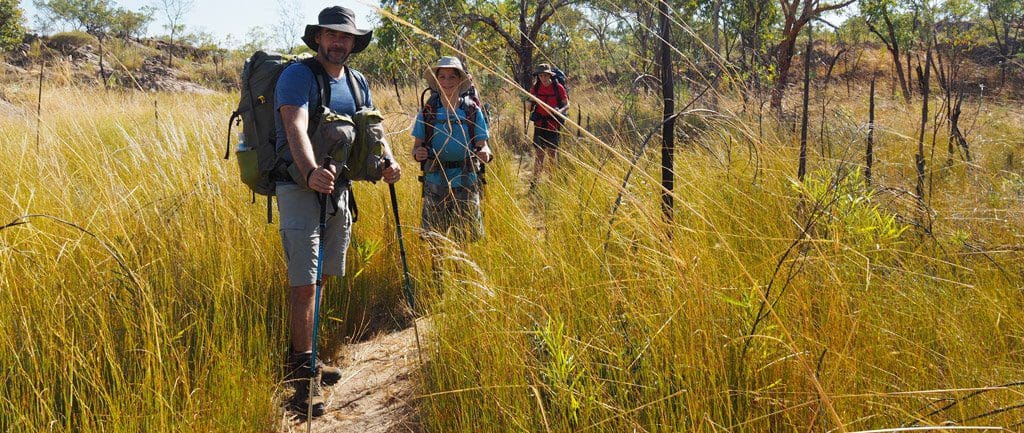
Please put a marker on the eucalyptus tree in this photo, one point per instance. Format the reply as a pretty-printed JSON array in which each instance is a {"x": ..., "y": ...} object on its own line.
[
  {"x": 892, "y": 23},
  {"x": 415, "y": 36},
  {"x": 520, "y": 24},
  {"x": 127, "y": 24},
  {"x": 1005, "y": 24},
  {"x": 795, "y": 15},
  {"x": 174, "y": 12},
  {"x": 752, "y": 23},
  {"x": 12, "y": 27},
  {"x": 95, "y": 17},
  {"x": 289, "y": 25}
]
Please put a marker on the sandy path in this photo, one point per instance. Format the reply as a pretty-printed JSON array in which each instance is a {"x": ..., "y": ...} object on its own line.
[{"x": 376, "y": 391}]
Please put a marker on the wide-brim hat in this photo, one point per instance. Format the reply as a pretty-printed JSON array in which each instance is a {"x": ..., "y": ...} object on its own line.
[
  {"x": 543, "y": 68},
  {"x": 342, "y": 20},
  {"x": 446, "y": 62}
]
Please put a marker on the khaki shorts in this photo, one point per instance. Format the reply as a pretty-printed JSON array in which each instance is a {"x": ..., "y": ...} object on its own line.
[
  {"x": 299, "y": 218},
  {"x": 454, "y": 213}
]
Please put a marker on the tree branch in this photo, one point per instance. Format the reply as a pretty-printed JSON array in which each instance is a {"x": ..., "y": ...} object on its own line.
[{"x": 492, "y": 23}]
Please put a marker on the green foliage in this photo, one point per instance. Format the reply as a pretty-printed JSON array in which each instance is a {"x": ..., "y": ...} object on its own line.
[
  {"x": 878, "y": 14},
  {"x": 256, "y": 39},
  {"x": 95, "y": 17},
  {"x": 560, "y": 371},
  {"x": 12, "y": 28},
  {"x": 130, "y": 24},
  {"x": 852, "y": 215},
  {"x": 67, "y": 42}
]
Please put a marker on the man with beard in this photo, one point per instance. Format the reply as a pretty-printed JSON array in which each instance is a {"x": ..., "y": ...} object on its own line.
[{"x": 298, "y": 106}]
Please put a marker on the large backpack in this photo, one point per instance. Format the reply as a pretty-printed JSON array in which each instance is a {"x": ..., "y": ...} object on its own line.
[
  {"x": 260, "y": 165},
  {"x": 560, "y": 78},
  {"x": 470, "y": 104}
]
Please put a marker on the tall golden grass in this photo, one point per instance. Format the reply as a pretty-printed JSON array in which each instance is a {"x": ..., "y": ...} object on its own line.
[{"x": 143, "y": 292}]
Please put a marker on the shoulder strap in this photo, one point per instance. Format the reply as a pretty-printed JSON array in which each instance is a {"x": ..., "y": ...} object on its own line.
[
  {"x": 470, "y": 108},
  {"x": 356, "y": 88},
  {"x": 429, "y": 117},
  {"x": 324, "y": 87}
]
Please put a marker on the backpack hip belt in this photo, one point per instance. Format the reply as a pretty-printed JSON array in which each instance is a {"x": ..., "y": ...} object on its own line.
[{"x": 433, "y": 165}]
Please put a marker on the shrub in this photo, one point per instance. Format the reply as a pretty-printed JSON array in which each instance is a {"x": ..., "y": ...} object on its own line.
[{"x": 68, "y": 42}]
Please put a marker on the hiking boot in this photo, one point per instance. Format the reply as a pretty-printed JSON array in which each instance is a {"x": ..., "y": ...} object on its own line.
[
  {"x": 300, "y": 401},
  {"x": 296, "y": 367}
]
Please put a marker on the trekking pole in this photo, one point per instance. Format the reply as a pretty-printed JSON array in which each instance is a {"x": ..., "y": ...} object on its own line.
[
  {"x": 322, "y": 200},
  {"x": 405, "y": 264}
]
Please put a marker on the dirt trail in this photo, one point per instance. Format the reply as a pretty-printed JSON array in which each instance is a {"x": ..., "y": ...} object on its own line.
[{"x": 376, "y": 391}]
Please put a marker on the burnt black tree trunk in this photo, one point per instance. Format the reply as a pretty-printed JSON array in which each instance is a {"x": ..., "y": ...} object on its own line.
[
  {"x": 103, "y": 69},
  {"x": 39, "y": 103},
  {"x": 802, "y": 169},
  {"x": 949, "y": 77},
  {"x": 870, "y": 157},
  {"x": 919, "y": 161},
  {"x": 668, "y": 97}
]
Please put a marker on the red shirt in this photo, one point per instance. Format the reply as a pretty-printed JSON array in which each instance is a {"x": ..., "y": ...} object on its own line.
[{"x": 553, "y": 95}]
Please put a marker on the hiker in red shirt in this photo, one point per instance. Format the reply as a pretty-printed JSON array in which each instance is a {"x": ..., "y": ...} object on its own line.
[{"x": 546, "y": 125}]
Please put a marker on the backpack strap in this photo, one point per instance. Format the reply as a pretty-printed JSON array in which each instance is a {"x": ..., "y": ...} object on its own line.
[
  {"x": 470, "y": 107},
  {"x": 324, "y": 89},
  {"x": 430, "y": 116},
  {"x": 236, "y": 117},
  {"x": 355, "y": 86}
]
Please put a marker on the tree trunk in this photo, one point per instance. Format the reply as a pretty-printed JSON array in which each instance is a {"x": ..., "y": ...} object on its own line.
[
  {"x": 870, "y": 157},
  {"x": 668, "y": 128},
  {"x": 919, "y": 161},
  {"x": 716, "y": 47},
  {"x": 524, "y": 73},
  {"x": 103, "y": 69},
  {"x": 802, "y": 169},
  {"x": 785, "y": 59}
]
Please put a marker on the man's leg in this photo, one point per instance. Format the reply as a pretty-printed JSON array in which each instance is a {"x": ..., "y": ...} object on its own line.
[
  {"x": 300, "y": 317},
  {"x": 299, "y": 235}
]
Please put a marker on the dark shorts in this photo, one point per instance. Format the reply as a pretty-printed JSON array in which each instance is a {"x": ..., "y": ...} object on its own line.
[
  {"x": 453, "y": 213},
  {"x": 545, "y": 138}
]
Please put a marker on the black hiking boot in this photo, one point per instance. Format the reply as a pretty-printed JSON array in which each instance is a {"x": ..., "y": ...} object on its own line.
[
  {"x": 296, "y": 367},
  {"x": 300, "y": 401}
]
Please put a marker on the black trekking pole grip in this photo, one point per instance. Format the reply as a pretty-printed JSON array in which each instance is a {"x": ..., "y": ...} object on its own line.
[{"x": 321, "y": 197}]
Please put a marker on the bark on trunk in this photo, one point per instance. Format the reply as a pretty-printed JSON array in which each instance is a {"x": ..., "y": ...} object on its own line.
[{"x": 668, "y": 129}]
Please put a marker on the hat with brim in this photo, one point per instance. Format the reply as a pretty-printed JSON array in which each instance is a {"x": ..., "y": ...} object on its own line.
[
  {"x": 339, "y": 19},
  {"x": 446, "y": 62},
  {"x": 543, "y": 68}
]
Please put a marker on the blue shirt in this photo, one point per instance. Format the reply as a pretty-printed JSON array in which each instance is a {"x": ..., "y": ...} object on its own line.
[
  {"x": 450, "y": 144},
  {"x": 297, "y": 86}
]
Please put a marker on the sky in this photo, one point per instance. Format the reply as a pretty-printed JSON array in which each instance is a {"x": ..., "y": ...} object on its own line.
[{"x": 221, "y": 18}]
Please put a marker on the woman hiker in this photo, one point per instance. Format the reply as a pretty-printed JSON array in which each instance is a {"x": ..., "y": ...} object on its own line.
[
  {"x": 546, "y": 125},
  {"x": 451, "y": 144}
]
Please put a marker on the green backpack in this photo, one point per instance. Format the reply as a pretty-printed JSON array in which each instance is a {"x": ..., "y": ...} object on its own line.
[{"x": 260, "y": 165}]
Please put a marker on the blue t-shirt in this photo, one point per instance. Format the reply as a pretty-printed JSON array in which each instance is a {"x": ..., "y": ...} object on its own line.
[
  {"x": 297, "y": 86},
  {"x": 450, "y": 144}
]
